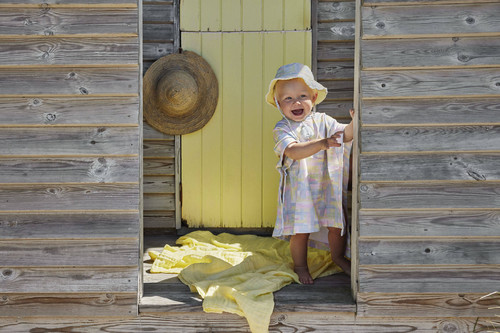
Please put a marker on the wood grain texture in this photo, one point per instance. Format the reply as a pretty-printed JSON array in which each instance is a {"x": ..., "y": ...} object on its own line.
[
  {"x": 50, "y": 21},
  {"x": 429, "y": 279},
  {"x": 436, "y": 111},
  {"x": 426, "y": 305},
  {"x": 475, "y": 251},
  {"x": 158, "y": 32},
  {"x": 155, "y": 167},
  {"x": 163, "y": 201},
  {"x": 149, "y": 132},
  {"x": 69, "y": 140},
  {"x": 336, "y": 10},
  {"x": 62, "y": 225},
  {"x": 158, "y": 148},
  {"x": 68, "y": 280},
  {"x": 24, "y": 197},
  {"x": 431, "y": 83},
  {"x": 454, "y": 223},
  {"x": 68, "y": 81},
  {"x": 83, "y": 3},
  {"x": 336, "y": 31},
  {"x": 430, "y": 195},
  {"x": 158, "y": 12},
  {"x": 449, "y": 19},
  {"x": 446, "y": 166},
  {"x": 429, "y": 52},
  {"x": 336, "y": 109},
  {"x": 335, "y": 51},
  {"x": 157, "y": 184},
  {"x": 341, "y": 89},
  {"x": 152, "y": 51},
  {"x": 420, "y": 138},
  {"x": 335, "y": 70},
  {"x": 159, "y": 220}
]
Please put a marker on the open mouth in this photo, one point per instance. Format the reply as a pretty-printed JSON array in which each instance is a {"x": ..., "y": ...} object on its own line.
[{"x": 298, "y": 112}]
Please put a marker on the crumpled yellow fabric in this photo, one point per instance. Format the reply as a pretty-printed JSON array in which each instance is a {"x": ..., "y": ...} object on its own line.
[{"x": 237, "y": 273}]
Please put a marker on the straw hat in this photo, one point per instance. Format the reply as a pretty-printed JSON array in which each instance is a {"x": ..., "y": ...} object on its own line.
[
  {"x": 180, "y": 93},
  {"x": 295, "y": 71}
]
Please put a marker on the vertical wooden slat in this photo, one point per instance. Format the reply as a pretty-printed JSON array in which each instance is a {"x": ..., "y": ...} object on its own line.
[
  {"x": 272, "y": 15},
  {"x": 190, "y": 15},
  {"x": 211, "y": 19},
  {"x": 231, "y": 12},
  {"x": 251, "y": 15}
]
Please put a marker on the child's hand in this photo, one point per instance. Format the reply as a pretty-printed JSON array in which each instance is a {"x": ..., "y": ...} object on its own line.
[
  {"x": 332, "y": 141},
  {"x": 351, "y": 112}
]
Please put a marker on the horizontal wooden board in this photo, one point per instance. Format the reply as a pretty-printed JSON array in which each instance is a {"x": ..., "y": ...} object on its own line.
[
  {"x": 77, "y": 169},
  {"x": 92, "y": 196},
  {"x": 430, "y": 195},
  {"x": 149, "y": 132},
  {"x": 450, "y": 223},
  {"x": 75, "y": 252},
  {"x": 158, "y": 12},
  {"x": 49, "y": 21},
  {"x": 68, "y": 280},
  {"x": 69, "y": 140},
  {"x": 335, "y": 51},
  {"x": 335, "y": 109},
  {"x": 159, "y": 201},
  {"x": 336, "y": 10},
  {"x": 474, "y": 251},
  {"x": 422, "y": 138},
  {"x": 68, "y": 51},
  {"x": 158, "y": 148},
  {"x": 155, "y": 167},
  {"x": 335, "y": 70},
  {"x": 67, "y": 305},
  {"x": 67, "y": 81},
  {"x": 429, "y": 279},
  {"x": 431, "y": 83},
  {"x": 336, "y": 31},
  {"x": 426, "y": 305},
  {"x": 159, "y": 184},
  {"x": 156, "y": 50},
  {"x": 158, "y": 32},
  {"x": 430, "y": 52},
  {"x": 430, "y": 20},
  {"x": 69, "y": 110},
  {"x": 459, "y": 166},
  {"x": 83, "y": 3},
  {"x": 341, "y": 89},
  {"x": 435, "y": 111},
  {"x": 159, "y": 220},
  {"x": 61, "y": 225}
]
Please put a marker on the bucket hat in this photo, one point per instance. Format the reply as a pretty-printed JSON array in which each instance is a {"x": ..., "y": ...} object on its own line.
[
  {"x": 180, "y": 93},
  {"x": 294, "y": 71}
]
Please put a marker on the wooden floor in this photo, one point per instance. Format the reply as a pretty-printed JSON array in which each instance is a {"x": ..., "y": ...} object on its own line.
[{"x": 165, "y": 293}]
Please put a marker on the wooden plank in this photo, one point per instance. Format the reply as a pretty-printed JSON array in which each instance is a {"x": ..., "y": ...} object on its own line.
[
  {"x": 431, "y": 83},
  {"x": 335, "y": 70},
  {"x": 451, "y": 223},
  {"x": 473, "y": 251},
  {"x": 161, "y": 202},
  {"x": 159, "y": 219},
  {"x": 429, "y": 52},
  {"x": 67, "y": 305},
  {"x": 461, "y": 166},
  {"x": 422, "y": 138},
  {"x": 426, "y": 305},
  {"x": 336, "y": 10},
  {"x": 156, "y": 50},
  {"x": 252, "y": 18},
  {"x": 73, "y": 3},
  {"x": 66, "y": 51},
  {"x": 68, "y": 280},
  {"x": 91, "y": 196},
  {"x": 430, "y": 195},
  {"x": 69, "y": 110},
  {"x": 343, "y": 89},
  {"x": 335, "y": 109},
  {"x": 396, "y": 21},
  {"x": 149, "y": 132},
  {"x": 156, "y": 167},
  {"x": 158, "y": 12},
  {"x": 336, "y": 31},
  {"x": 158, "y": 184},
  {"x": 158, "y": 148},
  {"x": 43, "y": 225},
  {"x": 69, "y": 140},
  {"x": 49, "y": 21},
  {"x": 435, "y": 111},
  {"x": 429, "y": 279},
  {"x": 335, "y": 51},
  {"x": 67, "y": 81},
  {"x": 75, "y": 252},
  {"x": 156, "y": 32}
]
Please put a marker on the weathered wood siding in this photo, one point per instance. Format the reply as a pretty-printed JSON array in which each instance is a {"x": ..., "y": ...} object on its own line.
[
  {"x": 69, "y": 158},
  {"x": 429, "y": 224},
  {"x": 161, "y": 195}
]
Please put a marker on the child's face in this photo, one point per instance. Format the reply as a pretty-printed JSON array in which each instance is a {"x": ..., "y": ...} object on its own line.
[{"x": 295, "y": 98}]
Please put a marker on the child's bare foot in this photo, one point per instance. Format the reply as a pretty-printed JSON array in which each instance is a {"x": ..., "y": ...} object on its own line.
[
  {"x": 304, "y": 275},
  {"x": 344, "y": 264}
]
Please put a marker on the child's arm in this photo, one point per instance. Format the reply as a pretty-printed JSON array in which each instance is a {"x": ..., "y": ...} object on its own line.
[
  {"x": 348, "y": 131},
  {"x": 300, "y": 150}
]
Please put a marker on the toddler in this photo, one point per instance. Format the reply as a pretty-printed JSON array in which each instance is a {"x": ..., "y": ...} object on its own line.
[{"x": 313, "y": 150}]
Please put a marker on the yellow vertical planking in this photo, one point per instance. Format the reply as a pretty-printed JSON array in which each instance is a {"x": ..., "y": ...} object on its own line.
[
  {"x": 211, "y": 15},
  {"x": 272, "y": 15},
  {"x": 231, "y": 14},
  {"x": 252, "y": 15},
  {"x": 294, "y": 15},
  {"x": 190, "y": 15}
]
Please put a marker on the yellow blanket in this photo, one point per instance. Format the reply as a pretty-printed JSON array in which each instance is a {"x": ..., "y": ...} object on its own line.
[{"x": 237, "y": 273}]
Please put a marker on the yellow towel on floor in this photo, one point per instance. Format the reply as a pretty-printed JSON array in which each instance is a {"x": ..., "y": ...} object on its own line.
[{"x": 237, "y": 273}]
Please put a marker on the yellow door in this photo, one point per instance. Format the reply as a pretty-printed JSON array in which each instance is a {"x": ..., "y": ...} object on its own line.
[{"x": 228, "y": 167}]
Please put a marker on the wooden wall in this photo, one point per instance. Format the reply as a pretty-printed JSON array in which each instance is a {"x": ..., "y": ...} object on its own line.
[
  {"x": 69, "y": 158},
  {"x": 429, "y": 223},
  {"x": 161, "y": 194}
]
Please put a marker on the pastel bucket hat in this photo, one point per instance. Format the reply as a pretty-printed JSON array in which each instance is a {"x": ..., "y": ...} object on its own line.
[{"x": 293, "y": 71}]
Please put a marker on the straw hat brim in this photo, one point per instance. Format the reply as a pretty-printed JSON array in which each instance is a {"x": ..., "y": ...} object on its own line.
[{"x": 180, "y": 93}]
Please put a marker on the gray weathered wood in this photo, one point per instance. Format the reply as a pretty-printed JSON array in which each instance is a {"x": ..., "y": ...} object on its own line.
[
  {"x": 429, "y": 83},
  {"x": 335, "y": 51},
  {"x": 76, "y": 252},
  {"x": 436, "y": 111},
  {"x": 76, "y": 81},
  {"x": 455, "y": 223},
  {"x": 342, "y": 89},
  {"x": 83, "y": 3},
  {"x": 60, "y": 170},
  {"x": 158, "y": 12},
  {"x": 159, "y": 148},
  {"x": 50, "y": 21},
  {"x": 69, "y": 110},
  {"x": 335, "y": 109},
  {"x": 335, "y": 70},
  {"x": 24, "y": 197},
  {"x": 161, "y": 202},
  {"x": 68, "y": 225},
  {"x": 159, "y": 220},
  {"x": 336, "y": 31},
  {"x": 448, "y": 19},
  {"x": 421, "y": 138},
  {"x": 153, "y": 51},
  {"x": 149, "y": 132},
  {"x": 431, "y": 195},
  {"x": 157, "y": 184},
  {"x": 473, "y": 251},
  {"x": 71, "y": 280},
  {"x": 154, "y": 32},
  {"x": 427, "y": 278},
  {"x": 430, "y": 167},
  {"x": 69, "y": 140},
  {"x": 336, "y": 10},
  {"x": 431, "y": 52},
  {"x": 155, "y": 167}
]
